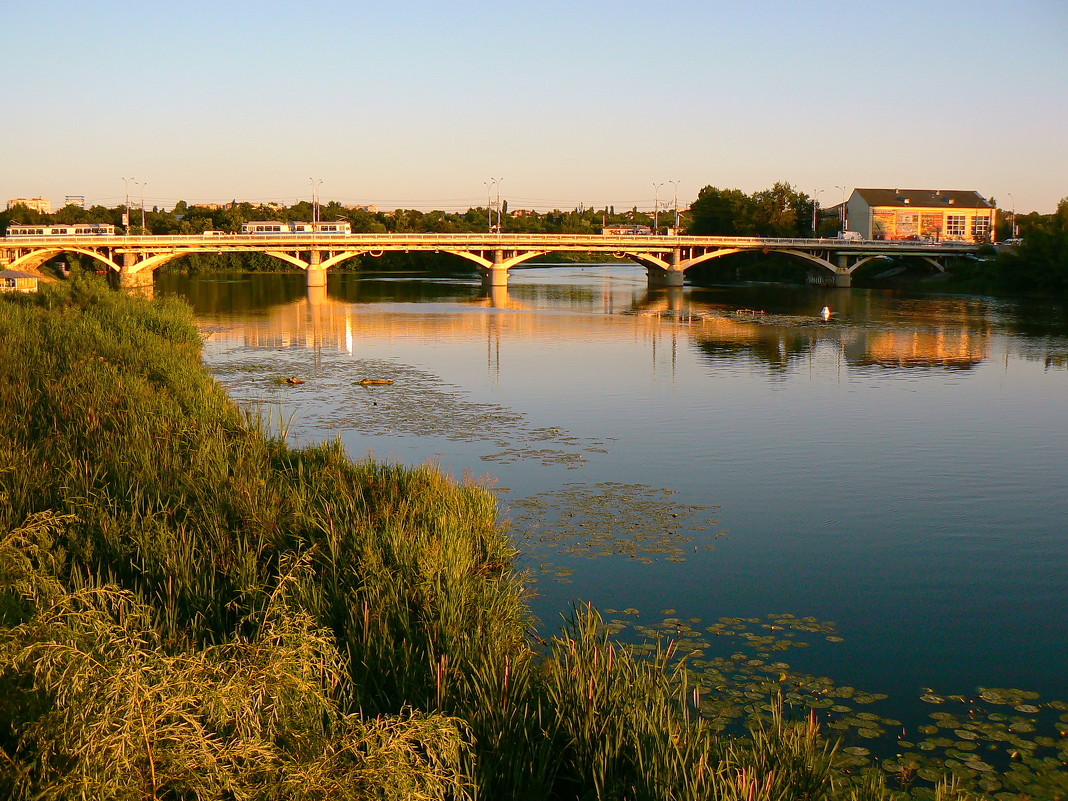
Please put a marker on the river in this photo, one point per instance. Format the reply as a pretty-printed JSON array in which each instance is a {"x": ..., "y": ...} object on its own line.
[{"x": 900, "y": 469}]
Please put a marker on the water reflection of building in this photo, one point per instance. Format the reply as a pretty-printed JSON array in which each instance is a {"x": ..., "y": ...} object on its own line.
[{"x": 956, "y": 348}]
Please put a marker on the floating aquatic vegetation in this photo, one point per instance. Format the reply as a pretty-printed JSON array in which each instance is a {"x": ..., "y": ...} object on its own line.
[
  {"x": 1021, "y": 750},
  {"x": 611, "y": 519},
  {"x": 415, "y": 403}
]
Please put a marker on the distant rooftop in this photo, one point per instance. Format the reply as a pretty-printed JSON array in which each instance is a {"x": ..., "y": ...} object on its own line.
[{"x": 926, "y": 198}]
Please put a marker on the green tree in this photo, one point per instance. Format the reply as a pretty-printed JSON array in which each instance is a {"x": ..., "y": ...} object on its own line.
[
  {"x": 719, "y": 212},
  {"x": 1040, "y": 265}
]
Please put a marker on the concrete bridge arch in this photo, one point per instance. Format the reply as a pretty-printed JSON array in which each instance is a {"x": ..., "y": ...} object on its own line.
[{"x": 37, "y": 258}]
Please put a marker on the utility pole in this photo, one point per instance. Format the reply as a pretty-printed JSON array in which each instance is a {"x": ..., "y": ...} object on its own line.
[
  {"x": 500, "y": 221},
  {"x": 656, "y": 206},
  {"x": 126, "y": 208},
  {"x": 489, "y": 205},
  {"x": 816, "y": 213},
  {"x": 675, "y": 186},
  {"x": 142, "y": 184}
]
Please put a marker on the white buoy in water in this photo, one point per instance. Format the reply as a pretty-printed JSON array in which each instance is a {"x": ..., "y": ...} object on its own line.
[{"x": 825, "y": 312}]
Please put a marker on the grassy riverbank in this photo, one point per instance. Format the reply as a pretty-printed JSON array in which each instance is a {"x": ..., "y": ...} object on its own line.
[{"x": 190, "y": 608}]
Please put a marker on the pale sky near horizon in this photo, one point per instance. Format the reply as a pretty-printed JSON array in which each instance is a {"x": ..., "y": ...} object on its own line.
[{"x": 420, "y": 104}]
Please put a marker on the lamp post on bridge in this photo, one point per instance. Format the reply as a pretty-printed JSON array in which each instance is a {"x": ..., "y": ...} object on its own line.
[
  {"x": 815, "y": 213},
  {"x": 126, "y": 208},
  {"x": 500, "y": 215},
  {"x": 315, "y": 203},
  {"x": 656, "y": 205},
  {"x": 142, "y": 184},
  {"x": 489, "y": 204},
  {"x": 675, "y": 187}
]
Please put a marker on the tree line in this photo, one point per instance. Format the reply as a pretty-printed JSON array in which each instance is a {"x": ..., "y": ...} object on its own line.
[{"x": 781, "y": 210}]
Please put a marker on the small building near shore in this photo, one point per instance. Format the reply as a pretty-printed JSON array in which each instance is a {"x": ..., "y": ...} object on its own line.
[
  {"x": 14, "y": 281},
  {"x": 921, "y": 214}
]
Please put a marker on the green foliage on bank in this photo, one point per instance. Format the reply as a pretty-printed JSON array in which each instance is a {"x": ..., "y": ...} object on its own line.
[
  {"x": 1037, "y": 266},
  {"x": 192, "y": 609}
]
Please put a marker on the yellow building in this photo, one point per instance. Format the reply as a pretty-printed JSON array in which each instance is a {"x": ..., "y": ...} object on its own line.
[
  {"x": 920, "y": 214},
  {"x": 32, "y": 203},
  {"x": 14, "y": 281}
]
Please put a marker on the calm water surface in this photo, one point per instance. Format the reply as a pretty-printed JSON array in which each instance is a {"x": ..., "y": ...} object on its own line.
[{"x": 901, "y": 470}]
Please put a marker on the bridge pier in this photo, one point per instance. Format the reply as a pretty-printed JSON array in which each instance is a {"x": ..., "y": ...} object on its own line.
[
  {"x": 843, "y": 278},
  {"x": 664, "y": 278},
  {"x": 316, "y": 274},
  {"x": 497, "y": 273},
  {"x": 131, "y": 279}
]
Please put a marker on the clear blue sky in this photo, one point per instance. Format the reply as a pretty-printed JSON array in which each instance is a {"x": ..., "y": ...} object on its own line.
[{"x": 417, "y": 104}]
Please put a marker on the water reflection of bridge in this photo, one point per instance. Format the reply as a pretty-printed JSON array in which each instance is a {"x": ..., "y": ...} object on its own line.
[{"x": 318, "y": 320}]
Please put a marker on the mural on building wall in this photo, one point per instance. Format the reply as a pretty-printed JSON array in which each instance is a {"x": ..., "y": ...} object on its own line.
[
  {"x": 883, "y": 225},
  {"x": 931, "y": 225},
  {"x": 907, "y": 225}
]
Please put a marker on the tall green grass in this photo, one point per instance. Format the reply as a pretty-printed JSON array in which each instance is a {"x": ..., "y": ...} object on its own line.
[{"x": 190, "y": 608}]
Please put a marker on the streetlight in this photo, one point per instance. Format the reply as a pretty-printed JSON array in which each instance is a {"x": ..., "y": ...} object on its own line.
[
  {"x": 1013, "y": 224},
  {"x": 500, "y": 221},
  {"x": 656, "y": 205},
  {"x": 491, "y": 185},
  {"x": 489, "y": 205},
  {"x": 142, "y": 184},
  {"x": 126, "y": 208},
  {"x": 675, "y": 186},
  {"x": 842, "y": 208},
  {"x": 315, "y": 204},
  {"x": 815, "y": 213}
]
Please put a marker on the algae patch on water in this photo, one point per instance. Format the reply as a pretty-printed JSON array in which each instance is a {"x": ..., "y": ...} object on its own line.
[
  {"x": 612, "y": 519},
  {"x": 334, "y": 397}
]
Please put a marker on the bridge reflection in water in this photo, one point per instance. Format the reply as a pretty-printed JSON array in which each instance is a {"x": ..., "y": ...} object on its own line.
[{"x": 500, "y": 313}]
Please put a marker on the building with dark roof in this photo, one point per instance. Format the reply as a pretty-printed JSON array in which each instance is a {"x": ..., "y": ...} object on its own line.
[
  {"x": 15, "y": 281},
  {"x": 920, "y": 214}
]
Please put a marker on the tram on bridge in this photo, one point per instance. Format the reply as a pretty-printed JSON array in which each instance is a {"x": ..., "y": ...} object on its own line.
[{"x": 15, "y": 231}]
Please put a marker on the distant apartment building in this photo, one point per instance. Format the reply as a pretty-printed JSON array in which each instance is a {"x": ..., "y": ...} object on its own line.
[
  {"x": 32, "y": 203},
  {"x": 74, "y": 200},
  {"x": 920, "y": 214}
]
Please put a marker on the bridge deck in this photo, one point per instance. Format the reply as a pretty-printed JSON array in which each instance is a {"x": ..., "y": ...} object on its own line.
[{"x": 486, "y": 241}]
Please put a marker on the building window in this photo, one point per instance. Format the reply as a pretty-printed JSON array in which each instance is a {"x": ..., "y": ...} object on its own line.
[
  {"x": 980, "y": 227},
  {"x": 955, "y": 225}
]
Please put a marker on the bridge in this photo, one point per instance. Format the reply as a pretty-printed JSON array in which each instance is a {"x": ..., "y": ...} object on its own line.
[{"x": 665, "y": 258}]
